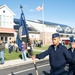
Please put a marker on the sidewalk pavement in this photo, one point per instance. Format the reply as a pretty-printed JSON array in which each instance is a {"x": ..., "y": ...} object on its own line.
[{"x": 18, "y": 62}]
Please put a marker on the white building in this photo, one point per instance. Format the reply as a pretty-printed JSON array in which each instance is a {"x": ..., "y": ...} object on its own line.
[
  {"x": 6, "y": 24},
  {"x": 48, "y": 28}
]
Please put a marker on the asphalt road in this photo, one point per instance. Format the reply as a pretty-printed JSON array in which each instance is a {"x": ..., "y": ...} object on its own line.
[{"x": 43, "y": 69}]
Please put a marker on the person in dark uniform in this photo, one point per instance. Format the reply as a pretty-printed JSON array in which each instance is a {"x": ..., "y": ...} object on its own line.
[
  {"x": 72, "y": 51},
  {"x": 58, "y": 56}
]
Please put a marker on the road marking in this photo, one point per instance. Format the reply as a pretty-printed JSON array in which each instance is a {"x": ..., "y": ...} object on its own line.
[{"x": 29, "y": 69}]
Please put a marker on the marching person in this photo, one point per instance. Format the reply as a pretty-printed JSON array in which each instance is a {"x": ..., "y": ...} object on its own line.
[
  {"x": 58, "y": 56},
  {"x": 24, "y": 51},
  {"x": 2, "y": 48},
  {"x": 72, "y": 51}
]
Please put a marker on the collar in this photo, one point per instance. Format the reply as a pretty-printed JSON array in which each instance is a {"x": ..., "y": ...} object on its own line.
[{"x": 59, "y": 45}]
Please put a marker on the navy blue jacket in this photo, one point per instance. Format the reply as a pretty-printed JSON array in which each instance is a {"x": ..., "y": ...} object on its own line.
[
  {"x": 72, "y": 65},
  {"x": 57, "y": 58}
]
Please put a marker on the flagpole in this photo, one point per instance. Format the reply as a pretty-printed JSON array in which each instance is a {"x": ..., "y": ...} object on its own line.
[
  {"x": 28, "y": 41},
  {"x": 21, "y": 8},
  {"x": 43, "y": 23}
]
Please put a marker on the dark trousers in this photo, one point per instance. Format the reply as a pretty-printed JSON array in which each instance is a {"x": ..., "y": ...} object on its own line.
[
  {"x": 60, "y": 71},
  {"x": 72, "y": 70},
  {"x": 30, "y": 53}
]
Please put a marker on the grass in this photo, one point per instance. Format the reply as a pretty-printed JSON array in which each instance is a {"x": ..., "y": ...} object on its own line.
[
  {"x": 14, "y": 55},
  {"x": 35, "y": 52},
  {"x": 42, "y": 48},
  {"x": 46, "y": 47}
]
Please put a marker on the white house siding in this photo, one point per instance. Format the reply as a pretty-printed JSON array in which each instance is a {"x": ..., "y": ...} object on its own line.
[
  {"x": 37, "y": 26},
  {"x": 34, "y": 36},
  {"x": 6, "y": 17},
  {"x": 50, "y": 29}
]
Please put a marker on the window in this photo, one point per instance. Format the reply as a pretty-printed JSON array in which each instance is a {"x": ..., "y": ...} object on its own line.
[
  {"x": 10, "y": 38},
  {"x": 2, "y": 38},
  {"x": 3, "y": 11},
  {"x": 32, "y": 35},
  {"x": 61, "y": 35},
  {"x": 67, "y": 29},
  {"x": 5, "y": 38},
  {"x": 59, "y": 28},
  {"x": 67, "y": 35},
  {"x": 73, "y": 30}
]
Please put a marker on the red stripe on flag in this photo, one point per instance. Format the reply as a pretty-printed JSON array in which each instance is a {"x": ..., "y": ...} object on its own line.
[{"x": 39, "y": 8}]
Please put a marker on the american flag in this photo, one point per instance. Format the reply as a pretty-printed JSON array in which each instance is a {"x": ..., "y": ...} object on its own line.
[{"x": 39, "y": 8}]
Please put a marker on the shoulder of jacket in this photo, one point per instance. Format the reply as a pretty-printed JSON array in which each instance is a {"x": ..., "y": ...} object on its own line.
[
  {"x": 63, "y": 46},
  {"x": 69, "y": 49},
  {"x": 50, "y": 47}
]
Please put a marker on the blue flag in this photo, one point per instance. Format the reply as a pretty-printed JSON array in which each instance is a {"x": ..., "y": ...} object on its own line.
[
  {"x": 22, "y": 30},
  {"x": 23, "y": 24},
  {"x": 19, "y": 42}
]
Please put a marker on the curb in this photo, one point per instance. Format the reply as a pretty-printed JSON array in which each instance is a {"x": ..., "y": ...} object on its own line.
[{"x": 22, "y": 62}]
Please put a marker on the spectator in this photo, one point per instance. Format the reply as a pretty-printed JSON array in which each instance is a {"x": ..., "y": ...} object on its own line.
[
  {"x": 9, "y": 47},
  {"x": 2, "y": 48},
  {"x": 12, "y": 45},
  {"x": 15, "y": 47},
  {"x": 24, "y": 51}
]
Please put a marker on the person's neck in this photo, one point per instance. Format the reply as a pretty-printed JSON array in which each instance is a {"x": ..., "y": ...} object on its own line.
[{"x": 57, "y": 44}]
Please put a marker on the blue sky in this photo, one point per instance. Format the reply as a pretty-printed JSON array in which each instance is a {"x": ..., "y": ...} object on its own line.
[{"x": 58, "y": 11}]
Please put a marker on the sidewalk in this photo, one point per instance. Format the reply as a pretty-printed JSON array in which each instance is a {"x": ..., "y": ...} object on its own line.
[{"x": 18, "y": 62}]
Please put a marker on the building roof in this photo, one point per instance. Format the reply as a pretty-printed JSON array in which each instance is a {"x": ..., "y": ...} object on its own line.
[
  {"x": 2, "y": 6},
  {"x": 49, "y": 23},
  {"x": 7, "y": 30},
  {"x": 30, "y": 28},
  {"x": 64, "y": 28}
]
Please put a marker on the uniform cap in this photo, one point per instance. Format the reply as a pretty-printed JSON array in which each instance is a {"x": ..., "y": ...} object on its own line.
[
  {"x": 72, "y": 39},
  {"x": 55, "y": 35}
]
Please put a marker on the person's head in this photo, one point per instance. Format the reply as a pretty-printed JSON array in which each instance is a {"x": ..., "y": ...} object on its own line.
[
  {"x": 29, "y": 43},
  {"x": 72, "y": 42},
  {"x": 23, "y": 42},
  {"x": 55, "y": 39}
]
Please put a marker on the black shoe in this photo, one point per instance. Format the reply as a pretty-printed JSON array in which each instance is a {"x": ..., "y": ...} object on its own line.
[{"x": 2, "y": 63}]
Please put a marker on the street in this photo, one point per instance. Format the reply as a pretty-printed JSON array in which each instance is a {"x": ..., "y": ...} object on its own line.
[{"x": 43, "y": 69}]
